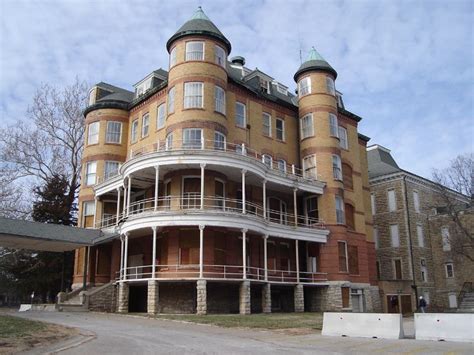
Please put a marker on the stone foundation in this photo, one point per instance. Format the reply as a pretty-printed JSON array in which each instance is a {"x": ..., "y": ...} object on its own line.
[
  {"x": 152, "y": 297},
  {"x": 222, "y": 298},
  {"x": 267, "y": 298},
  {"x": 123, "y": 292},
  {"x": 373, "y": 300},
  {"x": 103, "y": 299},
  {"x": 201, "y": 307},
  {"x": 299, "y": 298},
  {"x": 244, "y": 300},
  {"x": 177, "y": 298}
]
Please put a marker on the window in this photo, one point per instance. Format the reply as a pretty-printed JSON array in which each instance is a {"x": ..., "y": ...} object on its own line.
[
  {"x": 336, "y": 167},
  {"x": 311, "y": 209},
  {"x": 160, "y": 116},
  {"x": 372, "y": 203},
  {"x": 397, "y": 269},
  {"x": 333, "y": 125},
  {"x": 347, "y": 176},
  {"x": 219, "y": 99},
  {"x": 267, "y": 160},
  {"x": 173, "y": 57},
  {"x": 445, "y": 239},
  {"x": 349, "y": 213},
  {"x": 219, "y": 191},
  {"x": 342, "y": 249},
  {"x": 309, "y": 167},
  {"x": 453, "y": 300},
  {"x": 306, "y": 124},
  {"x": 304, "y": 86},
  {"x": 88, "y": 213},
  {"x": 394, "y": 237},
  {"x": 195, "y": 51},
  {"x": 169, "y": 141},
  {"x": 240, "y": 149},
  {"x": 449, "y": 270},
  {"x": 423, "y": 270},
  {"x": 281, "y": 163},
  {"x": 419, "y": 234},
  {"x": 353, "y": 254},
  {"x": 93, "y": 133},
  {"x": 343, "y": 143},
  {"x": 280, "y": 129},
  {"x": 134, "y": 131},
  {"x": 340, "y": 218},
  {"x": 330, "y": 86},
  {"x": 91, "y": 170},
  {"x": 171, "y": 100},
  {"x": 192, "y": 138},
  {"x": 193, "y": 95},
  {"x": 276, "y": 211},
  {"x": 240, "y": 115},
  {"x": 111, "y": 169},
  {"x": 219, "y": 141},
  {"x": 416, "y": 201},
  {"x": 114, "y": 132},
  {"x": 376, "y": 238},
  {"x": 392, "y": 202},
  {"x": 267, "y": 124},
  {"x": 145, "y": 125},
  {"x": 219, "y": 56},
  {"x": 345, "y": 295}
]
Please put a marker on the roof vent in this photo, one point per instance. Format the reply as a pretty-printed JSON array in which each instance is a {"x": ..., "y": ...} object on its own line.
[{"x": 238, "y": 60}]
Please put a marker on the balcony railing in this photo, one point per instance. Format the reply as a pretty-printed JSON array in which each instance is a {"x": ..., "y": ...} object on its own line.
[
  {"x": 280, "y": 167},
  {"x": 192, "y": 202},
  {"x": 226, "y": 272}
]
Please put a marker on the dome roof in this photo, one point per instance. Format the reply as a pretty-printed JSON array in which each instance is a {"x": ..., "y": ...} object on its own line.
[
  {"x": 315, "y": 62},
  {"x": 199, "y": 24}
]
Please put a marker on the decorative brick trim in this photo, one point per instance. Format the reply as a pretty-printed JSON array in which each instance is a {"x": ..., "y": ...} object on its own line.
[
  {"x": 96, "y": 118},
  {"x": 316, "y": 108},
  {"x": 96, "y": 157},
  {"x": 198, "y": 78},
  {"x": 314, "y": 150}
]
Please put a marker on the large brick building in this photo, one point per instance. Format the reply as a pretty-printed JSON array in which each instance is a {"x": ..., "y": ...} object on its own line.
[
  {"x": 412, "y": 236},
  {"x": 226, "y": 192}
]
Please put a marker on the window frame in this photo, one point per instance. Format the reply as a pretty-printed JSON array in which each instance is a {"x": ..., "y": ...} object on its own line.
[
  {"x": 343, "y": 141},
  {"x": 420, "y": 235},
  {"x": 88, "y": 174},
  {"x": 333, "y": 125},
  {"x": 108, "y": 134},
  {"x": 446, "y": 269},
  {"x": 188, "y": 52},
  {"x": 337, "y": 167},
  {"x": 191, "y": 101},
  {"x": 373, "y": 203},
  {"x": 219, "y": 104},
  {"x": 192, "y": 143},
  {"x": 281, "y": 163},
  {"x": 145, "y": 118},
  {"x": 95, "y": 134},
  {"x": 394, "y": 237},
  {"x": 314, "y": 166},
  {"x": 107, "y": 175},
  {"x": 394, "y": 264},
  {"x": 392, "y": 203},
  {"x": 237, "y": 103},
  {"x": 340, "y": 207},
  {"x": 86, "y": 213},
  {"x": 304, "y": 127},
  {"x": 224, "y": 141},
  {"x": 169, "y": 141},
  {"x": 345, "y": 256},
  {"x": 282, "y": 129},
  {"x": 217, "y": 57},
  {"x": 160, "y": 116},
  {"x": 330, "y": 86},
  {"x": 306, "y": 88},
  {"x": 268, "y": 126},
  {"x": 134, "y": 131},
  {"x": 173, "y": 57},
  {"x": 264, "y": 157},
  {"x": 171, "y": 99},
  {"x": 445, "y": 238}
]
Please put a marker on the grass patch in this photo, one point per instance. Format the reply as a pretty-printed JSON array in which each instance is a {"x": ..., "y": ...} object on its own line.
[
  {"x": 13, "y": 327},
  {"x": 259, "y": 321}
]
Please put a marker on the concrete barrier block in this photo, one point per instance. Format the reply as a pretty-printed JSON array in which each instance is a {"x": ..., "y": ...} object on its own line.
[
  {"x": 365, "y": 325},
  {"x": 444, "y": 326},
  {"x": 24, "y": 307}
]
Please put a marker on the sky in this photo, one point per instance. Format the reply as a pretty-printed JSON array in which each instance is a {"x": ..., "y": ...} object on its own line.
[{"x": 405, "y": 67}]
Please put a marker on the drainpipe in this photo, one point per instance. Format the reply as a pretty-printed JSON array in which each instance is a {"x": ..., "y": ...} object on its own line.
[{"x": 410, "y": 242}]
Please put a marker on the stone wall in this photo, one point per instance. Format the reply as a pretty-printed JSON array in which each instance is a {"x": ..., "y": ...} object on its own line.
[
  {"x": 122, "y": 303},
  {"x": 103, "y": 299},
  {"x": 201, "y": 289},
  {"x": 222, "y": 298},
  {"x": 244, "y": 301},
  {"x": 152, "y": 297},
  {"x": 299, "y": 298},
  {"x": 177, "y": 298}
]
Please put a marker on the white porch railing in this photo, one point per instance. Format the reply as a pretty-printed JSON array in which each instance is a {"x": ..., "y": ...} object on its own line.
[
  {"x": 226, "y": 272},
  {"x": 192, "y": 202}
]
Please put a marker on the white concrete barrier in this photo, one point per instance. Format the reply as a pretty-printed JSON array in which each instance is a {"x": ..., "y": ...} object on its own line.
[
  {"x": 365, "y": 325},
  {"x": 24, "y": 307},
  {"x": 444, "y": 326}
]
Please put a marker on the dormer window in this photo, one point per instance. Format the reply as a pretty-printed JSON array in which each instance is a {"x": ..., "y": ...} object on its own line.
[
  {"x": 265, "y": 85},
  {"x": 195, "y": 51}
]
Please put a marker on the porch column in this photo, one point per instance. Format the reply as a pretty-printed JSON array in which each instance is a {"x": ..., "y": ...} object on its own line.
[
  {"x": 125, "y": 257},
  {"x": 297, "y": 262},
  {"x": 118, "y": 206},
  {"x": 128, "y": 194},
  {"x": 201, "y": 250},
  {"x": 295, "y": 207},
  {"x": 265, "y": 256},
  {"x": 264, "y": 199},
  {"x": 157, "y": 181},
  {"x": 243, "y": 191},
  {"x": 153, "y": 253},
  {"x": 202, "y": 185},
  {"x": 96, "y": 199},
  {"x": 121, "y": 256},
  {"x": 124, "y": 199},
  {"x": 244, "y": 253}
]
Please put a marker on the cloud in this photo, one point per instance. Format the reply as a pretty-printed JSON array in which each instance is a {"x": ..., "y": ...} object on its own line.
[{"x": 404, "y": 66}]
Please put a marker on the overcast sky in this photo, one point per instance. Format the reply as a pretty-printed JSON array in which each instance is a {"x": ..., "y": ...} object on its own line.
[{"x": 405, "y": 67}]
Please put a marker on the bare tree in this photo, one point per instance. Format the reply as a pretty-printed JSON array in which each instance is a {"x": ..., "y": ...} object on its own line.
[
  {"x": 50, "y": 141},
  {"x": 457, "y": 179}
]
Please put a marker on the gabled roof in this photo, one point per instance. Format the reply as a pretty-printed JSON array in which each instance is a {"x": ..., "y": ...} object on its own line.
[
  {"x": 315, "y": 62},
  {"x": 199, "y": 24}
]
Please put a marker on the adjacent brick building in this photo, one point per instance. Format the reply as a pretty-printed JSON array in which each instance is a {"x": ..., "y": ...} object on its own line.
[
  {"x": 408, "y": 229},
  {"x": 227, "y": 193}
]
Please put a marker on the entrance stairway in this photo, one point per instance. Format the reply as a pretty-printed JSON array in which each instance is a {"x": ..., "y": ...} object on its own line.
[
  {"x": 467, "y": 303},
  {"x": 94, "y": 298}
]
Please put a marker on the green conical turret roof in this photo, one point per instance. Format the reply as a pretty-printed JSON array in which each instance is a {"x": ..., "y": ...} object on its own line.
[
  {"x": 199, "y": 24},
  {"x": 315, "y": 61}
]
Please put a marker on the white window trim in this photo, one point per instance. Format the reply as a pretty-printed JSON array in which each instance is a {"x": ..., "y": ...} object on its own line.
[
  {"x": 279, "y": 165},
  {"x": 373, "y": 203},
  {"x": 303, "y": 136},
  {"x": 308, "y": 79},
  {"x": 107, "y": 132},
  {"x": 245, "y": 115},
  {"x": 97, "y": 123},
  {"x": 171, "y": 99},
  {"x": 216, "y": 50},
  {"x": 203, "y": 51},
  {"x": 134, "y": 131},
  {"x": 105, "y": 167},
  {"x": 345, "y": 252},
  {"x": 343, "y": 140},
  {"x": 266, "y": 114},
  {"x": 446, "y": 270},
  {"x": 313, "y": 156},
  {"x": 420, "y": 236},
  {"x": 216, "y": 133},
  {"x": 283, "y": 133},
  {"x": 191, "y": 98},
  {"x": 218, "y": 89},
  {"x": 342, "y": 211},
  {"x": 162, "y": 106},
  {"x": 193, "y": 142},
  {"x": 87, "y": 174},
  {"x": 267, "y": 156},
  {"x": 337, "y": 170},
  {"x": 173, "y": 57},
  {"x": 330, "y": 85},
  {"x": 147, "y": 116},
  {"x": 333, "y": 125}
]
